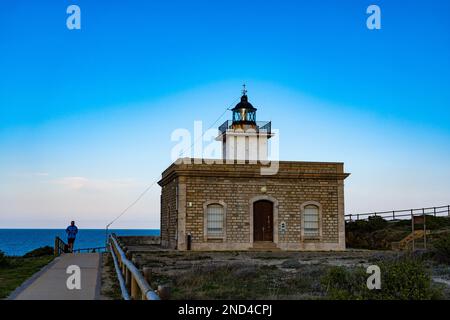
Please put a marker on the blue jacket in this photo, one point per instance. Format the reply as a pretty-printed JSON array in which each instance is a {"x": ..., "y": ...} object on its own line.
[{"x": 71, "y": 232}]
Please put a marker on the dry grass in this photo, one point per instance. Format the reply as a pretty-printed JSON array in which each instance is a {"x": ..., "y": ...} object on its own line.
[
  {"x": 246, "y": 275},
  {"x": 110, "y": 289}
]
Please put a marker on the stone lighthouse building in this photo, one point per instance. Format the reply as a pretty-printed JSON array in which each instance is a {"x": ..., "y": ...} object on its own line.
[{"x": 232, "y": 204}]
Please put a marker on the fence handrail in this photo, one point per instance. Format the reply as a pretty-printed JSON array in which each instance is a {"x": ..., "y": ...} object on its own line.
[
  {"x": 393, "y": 214},
  {"x": 123, "y": 287},
  {"x": 136, "y": 275},
  {"x": 60, "y": 247}
]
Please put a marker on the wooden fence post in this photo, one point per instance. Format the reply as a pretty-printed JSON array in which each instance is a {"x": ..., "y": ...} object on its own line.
[
  {"x": 412, "y": 228},
  {"x": 128, "y": 279},
  {"x": 134, "y": 289},
  {"x": 424, "y": 230},
  {"x": 147, "y": 271},
  {"x": 56, "y": 251}
]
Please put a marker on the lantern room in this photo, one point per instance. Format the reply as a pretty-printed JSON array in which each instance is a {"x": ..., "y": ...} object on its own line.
[
  {"x": 243, "y": 138},
  {"x": 244, "y": 112}
]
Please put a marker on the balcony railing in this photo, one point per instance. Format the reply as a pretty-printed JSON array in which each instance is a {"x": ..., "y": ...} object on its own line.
[{"x": 261, "y": 126}]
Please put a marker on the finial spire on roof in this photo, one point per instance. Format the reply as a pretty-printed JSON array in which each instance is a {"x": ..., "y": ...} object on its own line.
[{"x": 244, "y": 90}]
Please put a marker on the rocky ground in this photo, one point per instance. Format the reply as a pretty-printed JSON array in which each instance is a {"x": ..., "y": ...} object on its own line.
[{"x": 251, "y": 275}]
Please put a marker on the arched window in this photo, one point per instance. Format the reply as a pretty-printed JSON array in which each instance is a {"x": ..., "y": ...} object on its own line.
[
  {"x": 311, "y": 221},
  {"x": 215, "y": 219}
]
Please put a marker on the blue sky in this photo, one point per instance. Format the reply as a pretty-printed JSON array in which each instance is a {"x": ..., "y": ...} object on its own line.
[{"x": 86, "y": 115}]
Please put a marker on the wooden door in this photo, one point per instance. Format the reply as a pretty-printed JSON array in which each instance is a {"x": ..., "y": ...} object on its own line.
[{"x": 263, "y": 221}]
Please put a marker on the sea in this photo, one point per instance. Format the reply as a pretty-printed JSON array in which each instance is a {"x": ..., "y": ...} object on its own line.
[{"x": 17, "y": 242}]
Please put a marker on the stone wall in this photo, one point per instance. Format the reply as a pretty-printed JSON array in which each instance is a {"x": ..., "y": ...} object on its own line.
[
  {"x": 139, "y": 240},
  {"x": 169, "y": 214},
  {"x": 237, "y": 186}
]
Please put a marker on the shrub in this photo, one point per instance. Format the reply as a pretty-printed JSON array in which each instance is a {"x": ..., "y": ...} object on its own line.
[
  {"x": 442, "y": 249},
  {"x": 372, "y": 224},
  {"x": 436, "y": 223},
  {"x": 341, "y": 283},
  {"x": 368, "y": 234},
  {"x": 39, "y": 252},
  {"x": 405, "y": 278},
  {"x": 4, "y": 261}
]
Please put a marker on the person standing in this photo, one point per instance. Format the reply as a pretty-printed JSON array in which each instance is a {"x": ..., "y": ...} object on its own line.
[{"x": 71, "y": 231}]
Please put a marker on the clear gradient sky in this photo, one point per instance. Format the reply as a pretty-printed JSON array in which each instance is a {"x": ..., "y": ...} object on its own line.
[{"x": 86, "y": 115}]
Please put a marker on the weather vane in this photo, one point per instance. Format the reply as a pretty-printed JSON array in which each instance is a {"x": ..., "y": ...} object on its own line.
[{"x": 244, "y": 90}]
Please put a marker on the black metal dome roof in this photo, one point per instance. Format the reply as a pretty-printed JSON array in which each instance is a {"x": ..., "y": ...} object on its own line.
[{"x": 244, "y": 104}]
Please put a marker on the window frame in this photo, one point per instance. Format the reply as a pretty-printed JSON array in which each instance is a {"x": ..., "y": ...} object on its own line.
[
  {"x": 303, "y": 208},
  {"x": 214, "y": 236}
]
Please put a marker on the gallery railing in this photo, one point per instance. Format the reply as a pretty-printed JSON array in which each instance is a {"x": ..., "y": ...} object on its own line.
[
  {"x": 261, "y": 126},
  {"x": 442, "y": 211}
]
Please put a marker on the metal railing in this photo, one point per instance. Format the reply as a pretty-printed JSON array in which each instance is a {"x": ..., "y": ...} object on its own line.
[
  {"x": 62, "y": 247},
  {"x": 90, "y": 250},
  {"x": 395, "y": 215},
  {"x": 132, "y": 283},
  {"x": 261, "y": 126}
]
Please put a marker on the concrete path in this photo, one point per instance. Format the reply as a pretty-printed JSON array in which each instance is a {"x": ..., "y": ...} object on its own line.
[{"x": 51, "y": 282}]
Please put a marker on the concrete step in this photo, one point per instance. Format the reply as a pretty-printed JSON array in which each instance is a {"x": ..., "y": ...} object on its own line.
[{"x": 265, "y": 246}]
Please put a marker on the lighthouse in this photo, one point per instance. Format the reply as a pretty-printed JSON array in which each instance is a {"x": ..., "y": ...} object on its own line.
[
  {"x": 243, "y": 138},
  {"x": 246, "y": 201}
]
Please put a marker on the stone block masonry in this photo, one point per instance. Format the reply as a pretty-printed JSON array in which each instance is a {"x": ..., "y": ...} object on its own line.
[{"x": 188, "y": 189}]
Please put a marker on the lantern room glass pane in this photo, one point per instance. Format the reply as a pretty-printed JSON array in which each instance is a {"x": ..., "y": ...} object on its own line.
[
  {"x": 236, "y": 116},
  {"x": 244, "y": 115}
]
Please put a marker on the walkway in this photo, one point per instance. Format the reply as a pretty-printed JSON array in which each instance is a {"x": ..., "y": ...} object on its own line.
[{"x": 50, "y": 282}]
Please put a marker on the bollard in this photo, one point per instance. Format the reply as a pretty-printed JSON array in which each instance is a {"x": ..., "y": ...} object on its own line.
[
  {"x": 163, "y": 292},
  {"x": 189, "y": 241}
]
